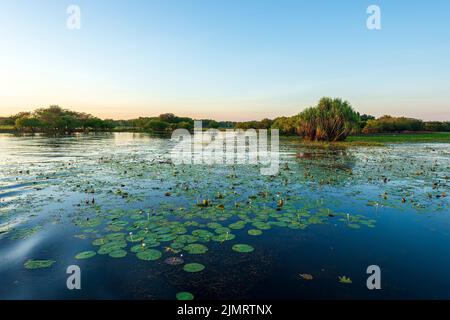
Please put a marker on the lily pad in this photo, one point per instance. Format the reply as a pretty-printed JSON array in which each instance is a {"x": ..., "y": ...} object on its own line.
[
  {"x": 85, "y": 255},
  {"x": 193, "y": 267},
  {"x": 196, "y": 248},
  {"x": 255, "y": 232},
  {"x": 149, "y": 255},
  {"x": 184, "y": 296},
  {"x": 118, "y": 254},
  {"x": 243, "y": 248},
  {"x": 224, "y": 237},
  {"x": 38, "y": 264}
]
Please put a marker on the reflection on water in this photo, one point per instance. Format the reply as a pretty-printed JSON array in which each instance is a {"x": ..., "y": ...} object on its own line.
[{"x": 328, "y": 213}]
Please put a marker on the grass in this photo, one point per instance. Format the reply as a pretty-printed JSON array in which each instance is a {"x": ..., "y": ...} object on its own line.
[
  {"x": 401, "y": 138},
  {"x": 4, "y": 128}
]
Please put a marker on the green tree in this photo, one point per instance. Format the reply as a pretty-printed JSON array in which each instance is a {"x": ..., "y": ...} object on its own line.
[
  {"x": 286, "y": 125},
  {"x": 28, "y": 123},
  {"x": 157, "y": 126},
  {"x": 330, "y": 120}
]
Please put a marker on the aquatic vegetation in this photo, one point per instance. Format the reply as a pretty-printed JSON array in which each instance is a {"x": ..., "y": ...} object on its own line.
[
  {"x": 344, "y": 279},
  {"x": 118, "y": 254},
  {"x": 149, "y": 255},
  {"x": 306, "y": 276},
  {"x": 317, "y": 189},
  {"x": 20, "y": 234},
  {"x": 38, "y": 264},
  {"x": 243, "y": 248},
  {"x": 196, "y": 248},
  {"x": 237, "y": 225},
  {"x": 182, "y": 296},
  {"x": 85, "y": 255},
  {"x": 193, "y": 267},
  {"x": 174, "y": 261},
  {"x": 254, "y": 232}
]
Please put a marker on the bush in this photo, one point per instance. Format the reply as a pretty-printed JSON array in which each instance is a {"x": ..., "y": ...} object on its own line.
[
  {"x": 156, "y": 126},
  {"x": 286, "y": 125},
  {"x": 388, "y": 124},
  {"x": 436, "y": 126},
  {"x": 330, "y": 120}
]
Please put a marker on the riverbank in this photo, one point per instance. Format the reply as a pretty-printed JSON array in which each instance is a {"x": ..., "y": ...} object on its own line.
[
  {"x": 432, "y": 137},
  {"x": 357, "y": 140}
]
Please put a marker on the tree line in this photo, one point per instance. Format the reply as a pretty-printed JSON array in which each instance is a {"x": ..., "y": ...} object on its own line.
[{"x": 330, "y": 120}]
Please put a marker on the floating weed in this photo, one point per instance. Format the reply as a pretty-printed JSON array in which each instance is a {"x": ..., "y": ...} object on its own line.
[
  {"x": 38, "y": 264},
  {"x": 193, "y": 267},
  {"x": 85, "y": 255}
]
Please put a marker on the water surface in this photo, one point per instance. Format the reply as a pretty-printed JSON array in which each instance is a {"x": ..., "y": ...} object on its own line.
[{"x": 329, "y": 213}]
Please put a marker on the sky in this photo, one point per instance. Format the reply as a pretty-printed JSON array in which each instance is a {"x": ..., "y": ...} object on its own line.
[{"x": 225, "y": 59}]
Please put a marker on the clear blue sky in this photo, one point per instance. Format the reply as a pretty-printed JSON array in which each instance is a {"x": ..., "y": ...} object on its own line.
[{"x": 225, "y": 59}]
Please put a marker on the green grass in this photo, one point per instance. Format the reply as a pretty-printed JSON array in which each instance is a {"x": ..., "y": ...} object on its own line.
[
  {"x": 402, "y": 138},
  {"x": 4, "y": 128}
]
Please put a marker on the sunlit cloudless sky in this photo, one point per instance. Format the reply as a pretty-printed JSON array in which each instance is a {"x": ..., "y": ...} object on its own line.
[{"x": 225, "y": 59}]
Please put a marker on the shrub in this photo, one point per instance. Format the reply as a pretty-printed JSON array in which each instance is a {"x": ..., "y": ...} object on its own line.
[{"x": 330, "y": 120}]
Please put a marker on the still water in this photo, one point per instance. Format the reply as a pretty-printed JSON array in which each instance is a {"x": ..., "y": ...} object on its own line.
[{"x": 138, "y": 226}]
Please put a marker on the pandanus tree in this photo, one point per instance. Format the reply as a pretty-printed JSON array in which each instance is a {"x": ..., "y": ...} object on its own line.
[{"x": 330, "y": 120}]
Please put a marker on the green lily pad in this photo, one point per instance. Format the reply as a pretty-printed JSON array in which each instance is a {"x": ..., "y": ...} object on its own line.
[
  {"x": 237, "y": 225},
  {"x": 149, "y": 255},
  {"x": 38, "y": 264},
  {"x": 184, "y": 296},
  {"x": 196, "y": 248},
  {"x": 224, "y": 237},
  {"x": 193, "y": 267},
  {"x": 21, "y": 234},
  {"x": 99, "y": 242},
  {"x": 118, "y": 254},
  {"x": 255, "y": 232},
  {"x": 243, "y": 248},
  {"x": 222, "y": 230},
  {"x": 138, "y": 248},
  {"x": 186, "y": 238},
  {"x": 85, "y": 255}
]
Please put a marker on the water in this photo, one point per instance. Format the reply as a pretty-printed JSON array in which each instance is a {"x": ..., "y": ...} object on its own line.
[{"x": 342, "y": 211}]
